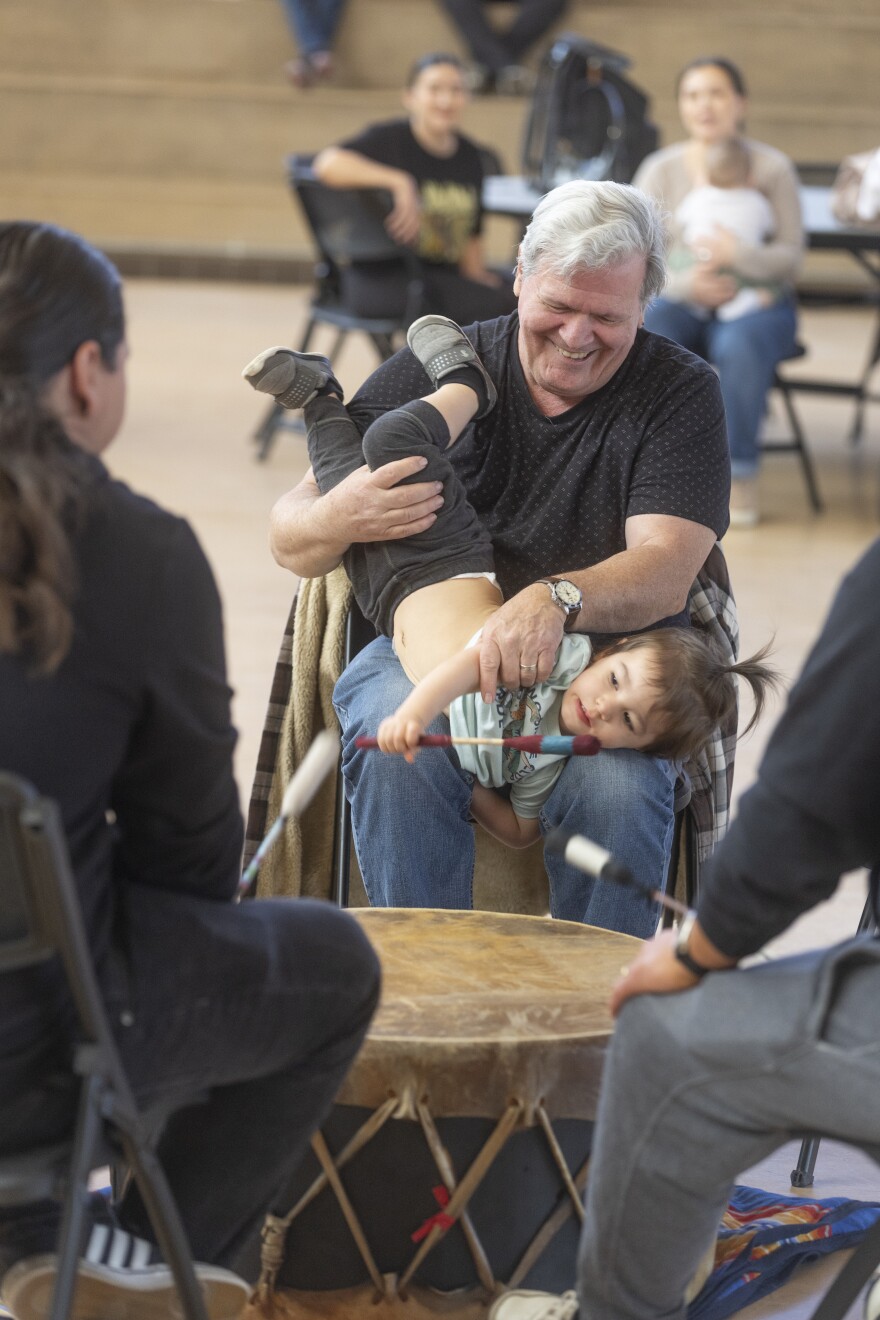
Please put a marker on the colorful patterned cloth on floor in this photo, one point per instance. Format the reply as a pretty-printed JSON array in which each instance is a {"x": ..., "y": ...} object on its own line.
[{"x": 763, "y": 1238}]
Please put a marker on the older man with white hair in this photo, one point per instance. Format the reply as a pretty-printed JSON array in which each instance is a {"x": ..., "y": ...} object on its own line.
[{"x": 602, "y": 476}]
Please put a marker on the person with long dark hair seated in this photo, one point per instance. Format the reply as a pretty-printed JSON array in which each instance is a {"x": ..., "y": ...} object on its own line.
[
  {"x": 238, "y": 1020},
  {"x": 704, "y": 280},
  {"x": 434, "y": 174}
]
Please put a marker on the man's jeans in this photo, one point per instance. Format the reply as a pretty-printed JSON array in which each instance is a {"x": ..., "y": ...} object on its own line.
[
  {"x": 257, "y": 1010},
  {"x": 745, "y": 352},
  {"x": 701, "y": 1085},
  {"x": 412, "y": 828}
]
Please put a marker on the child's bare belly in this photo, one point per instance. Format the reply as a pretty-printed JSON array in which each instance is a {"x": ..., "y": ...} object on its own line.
[{"x": 434, "y": 622}]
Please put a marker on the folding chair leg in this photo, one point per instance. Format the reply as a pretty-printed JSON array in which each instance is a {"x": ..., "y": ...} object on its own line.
[
  {"x": 384, "y": 346},
  {"x": 166, "y": 1222},
  {"x": 307, "y": 335},
  {"x": 73, "y": 1222},
  {"x": 341, "y": 336},
  {"x": 801, "y": 447},
  {"x": 267, "y": 430},
  {"x": 802, "y": 1173}
]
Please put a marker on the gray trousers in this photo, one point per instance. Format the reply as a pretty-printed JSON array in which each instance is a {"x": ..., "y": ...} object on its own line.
[{"x": 701, "y": 1085}]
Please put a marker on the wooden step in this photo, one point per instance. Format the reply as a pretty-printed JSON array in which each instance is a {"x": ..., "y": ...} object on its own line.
[{"x": 168, "y": 121}]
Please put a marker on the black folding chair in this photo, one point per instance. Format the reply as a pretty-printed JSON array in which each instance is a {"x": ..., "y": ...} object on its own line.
[
  {"x": 355, "y": 252},
  {"x": 40, "y": 918},
  {"x": 796, "y": 442}
]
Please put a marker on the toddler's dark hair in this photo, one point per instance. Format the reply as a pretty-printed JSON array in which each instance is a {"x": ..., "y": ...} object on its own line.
[{"x": 696, "y": 687}]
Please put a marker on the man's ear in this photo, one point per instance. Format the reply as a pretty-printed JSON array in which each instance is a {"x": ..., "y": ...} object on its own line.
[
  {"x": 517, "y": 277},
  {"x": 84, "y": 367}
]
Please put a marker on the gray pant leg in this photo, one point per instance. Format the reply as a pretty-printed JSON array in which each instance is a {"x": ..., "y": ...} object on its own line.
[
  {"x": 384, "y": 572},
  {"x": 701, "y": 1085}
]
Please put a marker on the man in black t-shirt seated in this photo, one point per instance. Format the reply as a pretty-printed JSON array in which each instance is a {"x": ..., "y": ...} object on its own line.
[
  {"x": 435, "y": 177},
  {"x": 603, "y": 463}
]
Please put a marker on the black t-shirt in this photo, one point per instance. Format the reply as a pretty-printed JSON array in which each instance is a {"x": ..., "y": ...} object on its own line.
[
  {"x": 555, "y": 493},
  {"x": 450, "y": 186}
]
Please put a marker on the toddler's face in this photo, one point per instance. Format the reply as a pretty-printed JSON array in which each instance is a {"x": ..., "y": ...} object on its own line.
[{"x": 614, "y": 700}]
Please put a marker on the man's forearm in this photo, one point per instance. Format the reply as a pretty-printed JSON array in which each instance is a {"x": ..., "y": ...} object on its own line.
[
  {"x": 631, "y": 590},
  {"x": 300, "y": 535},
  {"x": 647, "y": 581}
]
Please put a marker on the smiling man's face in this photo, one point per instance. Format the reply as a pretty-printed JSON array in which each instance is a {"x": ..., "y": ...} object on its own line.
[{"x": 574, "y": 334}]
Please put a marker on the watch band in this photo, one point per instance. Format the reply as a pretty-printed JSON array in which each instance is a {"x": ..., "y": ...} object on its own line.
[{"x": 681, "y": 947}]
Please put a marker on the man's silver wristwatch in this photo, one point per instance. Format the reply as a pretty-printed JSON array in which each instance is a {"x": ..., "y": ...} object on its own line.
[{"x": 567, "y": 596}]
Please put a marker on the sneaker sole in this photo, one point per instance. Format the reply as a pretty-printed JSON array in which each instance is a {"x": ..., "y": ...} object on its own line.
[
  {"x": 103, "y": 1293},
  {"x": 295, "y": 394}
]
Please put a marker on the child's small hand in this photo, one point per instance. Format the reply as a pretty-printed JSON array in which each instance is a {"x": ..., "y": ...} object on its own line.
[{"x": 400, "y": 733}]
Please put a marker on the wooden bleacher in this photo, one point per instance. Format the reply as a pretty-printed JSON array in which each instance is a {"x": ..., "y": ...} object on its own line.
[{"x": 159, "y": 128}]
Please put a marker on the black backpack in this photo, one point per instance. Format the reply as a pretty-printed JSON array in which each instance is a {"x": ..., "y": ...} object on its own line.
[{"x": 587, "y": 120}]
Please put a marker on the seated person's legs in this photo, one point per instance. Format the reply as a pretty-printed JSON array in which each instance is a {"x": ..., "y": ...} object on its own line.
[
  {"x": 700, "y": 1086},
  {"x": 239, "y": 1021},
  {"x": 467, "y": 300},
  {"x": 261, "y": 1005},
  {"x": 414, "y": 840},
  {"x": 746, "y": 352},
  {"x": 623, "y": 800}
]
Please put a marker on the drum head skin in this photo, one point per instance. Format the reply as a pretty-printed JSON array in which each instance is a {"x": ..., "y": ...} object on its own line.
[{"x": 481, "y": 1008}]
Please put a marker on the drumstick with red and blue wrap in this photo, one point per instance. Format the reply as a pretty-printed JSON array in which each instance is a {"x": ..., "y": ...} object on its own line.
[{"x": 550, "y": 744}]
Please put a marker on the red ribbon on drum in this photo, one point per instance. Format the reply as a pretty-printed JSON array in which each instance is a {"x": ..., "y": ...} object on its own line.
[{"x": 440, "y": 1220}]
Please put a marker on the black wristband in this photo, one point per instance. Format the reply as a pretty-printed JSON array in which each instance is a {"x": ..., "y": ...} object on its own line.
[{"x": 681, "y": 948}]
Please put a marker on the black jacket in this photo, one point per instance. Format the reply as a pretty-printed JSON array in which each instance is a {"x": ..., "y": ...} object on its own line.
[
  {"x": 132, "y": 734},
  {"x": 814, "y": 812}
]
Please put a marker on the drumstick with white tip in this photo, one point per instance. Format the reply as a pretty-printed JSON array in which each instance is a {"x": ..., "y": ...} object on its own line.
[
  {"x": 587, "y": 856},
  {"x": 317, "y": 763},
  {"x": 581, "y": 744}
]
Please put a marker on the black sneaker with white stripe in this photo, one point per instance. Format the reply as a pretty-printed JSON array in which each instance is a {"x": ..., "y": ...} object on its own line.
[{"x": 119, "y": 1275}]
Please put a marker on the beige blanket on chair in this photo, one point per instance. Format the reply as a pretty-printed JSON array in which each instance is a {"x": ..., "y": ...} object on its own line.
[{"x": 300, "y": 864}]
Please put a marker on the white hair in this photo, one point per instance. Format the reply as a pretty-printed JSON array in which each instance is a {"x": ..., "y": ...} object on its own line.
[{"x": 590, "y": 225}]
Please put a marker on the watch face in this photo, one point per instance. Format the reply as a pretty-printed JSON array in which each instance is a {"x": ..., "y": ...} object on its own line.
[{"x": 569, "y": 594}]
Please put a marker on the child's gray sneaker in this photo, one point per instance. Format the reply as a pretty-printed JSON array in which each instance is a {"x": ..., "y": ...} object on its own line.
[
  {"x": 293, "y": 379},
  {"x": 444, "y": 350}
]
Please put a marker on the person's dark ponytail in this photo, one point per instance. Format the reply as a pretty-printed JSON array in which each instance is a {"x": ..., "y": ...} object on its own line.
[
  {"x": 56, "y": 293},
  {"x": 42, "y": 478}
]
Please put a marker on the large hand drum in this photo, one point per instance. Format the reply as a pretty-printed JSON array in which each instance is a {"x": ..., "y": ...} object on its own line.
[{"x": 455, "y": 1157}]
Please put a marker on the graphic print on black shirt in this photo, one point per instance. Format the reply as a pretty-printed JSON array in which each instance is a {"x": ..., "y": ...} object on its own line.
[{"x": 451, "y": 186}]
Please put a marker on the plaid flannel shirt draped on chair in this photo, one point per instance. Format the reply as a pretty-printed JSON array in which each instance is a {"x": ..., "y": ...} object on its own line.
[{"x": 707, "y": 780}]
